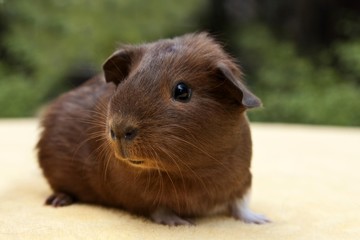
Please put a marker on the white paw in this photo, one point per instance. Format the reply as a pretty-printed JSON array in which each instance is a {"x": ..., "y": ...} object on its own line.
[
  {"x": 249, "y": 216},
  {"x": 167, "y": 217},
  {"x": 240, "y": 210}
]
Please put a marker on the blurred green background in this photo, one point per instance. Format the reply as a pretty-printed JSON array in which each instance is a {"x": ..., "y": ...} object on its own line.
[{"x": 301, "y": 57}]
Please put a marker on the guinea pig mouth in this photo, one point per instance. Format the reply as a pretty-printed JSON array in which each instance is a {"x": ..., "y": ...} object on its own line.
[{"x": 136, "y": 162}]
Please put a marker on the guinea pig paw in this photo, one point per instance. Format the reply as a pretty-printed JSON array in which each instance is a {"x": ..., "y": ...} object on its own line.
[
  {"x": 167, "y": 217},
  {"x": 249, "y": 216},
  {"x": 241, "y": 211},
  {"x": 59, "y": 200}
]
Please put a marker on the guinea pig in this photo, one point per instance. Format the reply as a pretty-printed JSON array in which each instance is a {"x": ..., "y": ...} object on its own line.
[{"x": 162, "y": 133}]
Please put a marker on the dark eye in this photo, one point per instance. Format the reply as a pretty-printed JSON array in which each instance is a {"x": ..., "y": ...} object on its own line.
[{"x": 182, "y": 92}]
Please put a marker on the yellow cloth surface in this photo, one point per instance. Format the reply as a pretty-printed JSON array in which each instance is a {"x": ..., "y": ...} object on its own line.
[{"x": 306, "y": 180}]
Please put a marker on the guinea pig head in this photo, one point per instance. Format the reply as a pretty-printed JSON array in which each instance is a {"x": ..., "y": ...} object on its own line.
[{"x": 178, "y": 104}]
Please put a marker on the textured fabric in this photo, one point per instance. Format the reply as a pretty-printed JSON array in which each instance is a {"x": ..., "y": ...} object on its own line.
[{"x": 306, "y": 180}]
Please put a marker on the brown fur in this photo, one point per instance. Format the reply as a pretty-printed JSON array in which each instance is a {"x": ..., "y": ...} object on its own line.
[{"x": 195, "y": 156}]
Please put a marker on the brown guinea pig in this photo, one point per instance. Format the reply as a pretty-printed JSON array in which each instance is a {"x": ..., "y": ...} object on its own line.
[{"x": 162, "y": 133}]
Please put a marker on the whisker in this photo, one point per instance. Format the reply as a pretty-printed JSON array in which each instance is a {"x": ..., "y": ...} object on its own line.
[
  {"x": 107, "y": 157},
  {"x": 193, "y": 172},
  {"x": 201, "y": 150},
  {"x": 159, "y": 195},
  {"x": 173, "y": 185}
]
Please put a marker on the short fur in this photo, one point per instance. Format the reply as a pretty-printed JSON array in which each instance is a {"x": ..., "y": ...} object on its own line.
[{"x": 188, "y": 158}]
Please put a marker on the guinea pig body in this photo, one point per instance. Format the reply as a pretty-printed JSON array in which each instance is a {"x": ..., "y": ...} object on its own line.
[{"x": 162, "y": 133}]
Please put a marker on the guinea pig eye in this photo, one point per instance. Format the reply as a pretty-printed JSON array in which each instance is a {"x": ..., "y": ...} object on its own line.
[{"x": 182, "y": 92}]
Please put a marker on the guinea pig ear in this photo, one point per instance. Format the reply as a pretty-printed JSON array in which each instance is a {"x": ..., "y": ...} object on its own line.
[
  {"x": 117, "y": 66},
  {"x": 248, "y": 99}
]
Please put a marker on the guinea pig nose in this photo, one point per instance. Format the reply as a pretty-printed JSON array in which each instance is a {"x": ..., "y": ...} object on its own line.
[{"x": 130, "y": 133}]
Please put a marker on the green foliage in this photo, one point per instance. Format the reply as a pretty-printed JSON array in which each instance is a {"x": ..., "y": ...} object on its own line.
[
  {"x": 17, "y": 97},
  {"x": 293, "y": 88},
  {"x": 41, "y": 41},
  {"x": 348, "y": 54}
]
